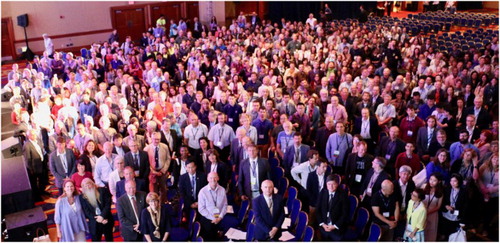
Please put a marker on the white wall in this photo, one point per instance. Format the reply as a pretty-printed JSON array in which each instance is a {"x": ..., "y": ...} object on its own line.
[{"x": 218, "y": 9}]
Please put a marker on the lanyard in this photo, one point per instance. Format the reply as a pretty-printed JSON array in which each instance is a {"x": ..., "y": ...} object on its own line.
[
  {"x": 214, "y": 198},
  {"x": 492, "y": 176},
  {"x": 430, "y": 200},
  {"x": 454, "y": 198},
  {"x": 386, "y": 204},
  {"x": 194, "y": 133},
  {"x": 221, "y": 133},
  {"x": 342, "y": 138},
  {"x": 366, "y": 126}
]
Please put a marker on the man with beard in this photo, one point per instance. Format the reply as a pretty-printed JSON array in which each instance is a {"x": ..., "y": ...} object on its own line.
[
  {"x": 457, "y": 148},
  {"x": 96, "y": 204}
]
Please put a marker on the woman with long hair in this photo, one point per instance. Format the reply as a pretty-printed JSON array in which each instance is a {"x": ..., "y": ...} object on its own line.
[
  {"x": 484, "y": 142},
  {"x": 433, "y": 199},
  {"x": 69, "y": 217},
  {"x": 453, "y": 207},
  {"x": 90, "y": 155},
  {"x": 488, "y": 183},
  {"x": 441, "y": 164}
]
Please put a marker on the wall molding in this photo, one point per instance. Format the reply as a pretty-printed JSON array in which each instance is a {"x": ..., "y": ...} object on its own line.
[{"x": 66, "y": 35}]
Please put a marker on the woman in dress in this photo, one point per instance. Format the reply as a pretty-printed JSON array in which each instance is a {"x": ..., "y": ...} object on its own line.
[
  {"x": 488, "y": 183},
  {"x": 154, "y": 220},
  {"x": 80, "y": 174},
  {"x": 69, "y": 217},
  {"x": 433, "y": 199}
]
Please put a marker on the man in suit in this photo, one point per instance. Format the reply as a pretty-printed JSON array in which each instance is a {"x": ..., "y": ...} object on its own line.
[
  {"x": 62, "y": 163},
  {"x": 367, "y": 127},
  {"x": 96, "y": 205},
  {"x": 197, "y": 28},
  {"x": 138, "y": 160},
  {"x": 190, "y": 185},
  {"x": 129, "y": 207},
  {"x": 425, "y": 136},
  {"x": 33, "y": 159},
  {"x": 269, "y": 213},
  {"x": 295, "y": 154},
  {"x": 316, "y": 182},
  {"x": 286, "y": 106},
  {"x": 119, "y": 147},
  {"x": 253, "y": 171},
  {"x": 236, "y": 148},
  {"x": 159, "y": 162},
  {"x": 365, "y": 102},
  {"x": 133, "y": 136},
  {"x": 332, "y": 210},
  {"x": 403, "y": 187},
  {"x": 169, "y": 136},
  {"x": 482, "y": 116},
  {"x": 128, "y": 175},
  {"x": 471, "y": 128},
  {"x": 390, "y": 147}
]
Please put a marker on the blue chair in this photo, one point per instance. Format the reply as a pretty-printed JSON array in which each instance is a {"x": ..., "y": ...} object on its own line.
[
  {"x": 199, "y": 239},
  {"x": 270, "y": 154},
  {"x": 353, "y": 205},
  {"x": 301, "y": 226},
  {"x": 283, "y": 185},
  {"x": 354, "y": 232},
  {"x": 196, "y": 231},
  {"x": 183, "y": 234},
  {"x": 308, "y": 234},
  {"x": 374, "y": 234},
  {"x": 292, "y": 195},
  {"x": 250, "y": 232},
  {"x": 250, "y": 218},
  {"x": 232, "y": 221},
  {"x": 276, "y": 174},
  {"x": 274, "y": 162},
  {"x": 176, "y": 221},
  {"x": 486, "y": 22},
  {"x": 294, "y": 213}
]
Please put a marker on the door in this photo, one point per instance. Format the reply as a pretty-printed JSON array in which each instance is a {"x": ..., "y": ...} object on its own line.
[
  {"x": 192, "y": 10},
  {"x": 129, "y": 22},
  {"x": 169, "y": 10},
  {"x": 8, "y": 51}
]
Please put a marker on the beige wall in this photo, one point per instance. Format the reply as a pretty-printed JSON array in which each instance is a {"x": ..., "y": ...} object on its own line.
[
  {"x": 218, "y": 10},
  {"x": 45, "y": 17}
]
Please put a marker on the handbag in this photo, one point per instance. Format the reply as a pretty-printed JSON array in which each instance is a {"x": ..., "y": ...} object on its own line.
[
  {"x": 43, "y": 238},
  {"x": 458, "y": 236},
  {"x": 420, "y": 178}
]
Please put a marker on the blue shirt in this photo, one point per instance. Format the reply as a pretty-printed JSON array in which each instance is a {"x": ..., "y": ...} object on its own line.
[
  {"x": 89, "y": 109},
  {"x": 233, "y": 115},
  {"x": 285, "y": 140},
  {"x": 263, "y": 128},
  {"x": 456, "y": 150},
  {"x": 425, "y": 111}
]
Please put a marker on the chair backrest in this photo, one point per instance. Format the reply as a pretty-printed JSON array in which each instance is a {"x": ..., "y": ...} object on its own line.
[
  {"x": 361, "y": 220},
  {"x": 273, "y": 162},
  {"x": 199, "y": 239},
  {"x": 375, "y": 233},
  {"x": 301, "y": 225},
  {"x": 308, "y": 234},
  {"x": 353, "y": 204},
  {"x": 250, "y": 232},
  {"x": 294, "y": 213},
  {"x": 250, "y": 218},
  {"x": 283, "y": 185},
  {"x": 292, "y": 195},
  {"x": 196, "y": 231},
  {"x": 276, "y": 174},
  {"x": 243, "y": 211},
  {"x": 192, "y": 217}
]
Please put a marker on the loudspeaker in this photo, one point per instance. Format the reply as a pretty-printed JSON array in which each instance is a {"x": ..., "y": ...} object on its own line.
[
  {"x": 11, "y": 148},
  {"x": 22, "y": 226},
  {"x": 22, "y": 20}
]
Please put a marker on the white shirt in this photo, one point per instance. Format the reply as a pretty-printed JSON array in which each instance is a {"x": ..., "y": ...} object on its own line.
[
  {"x": 303, "y": 170},
  {"x": 365, "y": 128}
]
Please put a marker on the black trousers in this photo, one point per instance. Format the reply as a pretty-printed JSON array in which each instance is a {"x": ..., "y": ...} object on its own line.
[
  {"x": 106, "y": 229},
  {"x": 223, "y": 153}
]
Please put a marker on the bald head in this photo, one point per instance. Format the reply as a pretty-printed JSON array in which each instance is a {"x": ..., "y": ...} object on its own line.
[
  {"x": 267, "y": 188},
  {"x": 387, "y": 187}
]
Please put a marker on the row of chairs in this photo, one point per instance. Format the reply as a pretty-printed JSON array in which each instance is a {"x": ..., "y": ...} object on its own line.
[{"x": 462, "y": 19}]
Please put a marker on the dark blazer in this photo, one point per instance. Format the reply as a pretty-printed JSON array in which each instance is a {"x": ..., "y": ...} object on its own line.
[
  {"x": 32, "y": 158},
  {"x": 475, "y": 134},
  {"x": 383, "y": 147},
  {"x": 290, "y": 155},
  {"x": 397, "y": 191},
  {"x": 236, "y": 154},
  {"x": 147, "y": 226},
  {"x": 378, "y": 183},
  {"x": 352, "y": 166},
  {"x": 339, "y": 212},
  {"x": 175, "y": 140},
  {"x": 460, "y": 204},
  {"x": 144, "y": 167},
  {"x": 223, "y": 171},
  {"x": 186, "y": 190},
  {"x": 313, "y": 187},
  {"x": 374, "y": 127},
  {"x": 141, "y": 185},
  {"x": 422, "y": 135},
  {"x": 127, "y": 217},
  {"x": 125, "y": 149},
  {"x": 359, "y": 106},
  {"x": 264, "y": 220},
  {"x": 57, "y": 168},
  {"x": 104, "y": 204},
  {"x": 244, "y": 185},
  {"x": 175, "y": 169}
]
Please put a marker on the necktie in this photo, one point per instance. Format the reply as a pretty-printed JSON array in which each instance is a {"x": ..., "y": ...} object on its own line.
[
  {"x": 437, "y": 96},
  {"x": 286, "y": 107},
  {"x": 193, "y": 185},
  {"x": 254, "y": 174},
  {"x": 157, "y": 157},
  {"x": 330, "y": 201},
  {"x": 270, "y": 203},
  {"x": 297, "y": 155},
  {"x": 64, "y": 163},
  {"x": 136, "y": 159},
  {"x": 136, "y": 209},
  {"x": 429, "y": 137}
]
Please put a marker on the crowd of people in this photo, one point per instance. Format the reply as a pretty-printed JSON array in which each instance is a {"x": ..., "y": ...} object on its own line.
[{"x": 201, "y": 111}]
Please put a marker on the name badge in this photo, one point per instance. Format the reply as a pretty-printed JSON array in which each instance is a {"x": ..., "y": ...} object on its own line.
[
  {"x": 369, "y": 190},
  {"x": 218, "y": 144},
  {"x": 386, "y": 214},
  {"x": 216, "y": 212},
  {"x": 261, "y": 136},
  {"x": 387, "y": 156},
  {"x": 284, "y": 150},
  {"x": 410, "y": 133},
  {"x": 230, "y": 119},
  {"x": 336, "y": 153},
  {"x": 253, "y": 181},
  {"x": 456, "y": 212},
  {"x": 358, "y": 177}
]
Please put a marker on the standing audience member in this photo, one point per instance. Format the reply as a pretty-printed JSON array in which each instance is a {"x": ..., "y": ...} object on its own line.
[
  {"x": 386, "y": 210},
  {"x": 155, "y": 219},
  {"x": 269, "y": 213},
  {"x": 96, "y": 204},
  {"x": 416, "y": 215},
  {"x": 69, "y": 216},
  {"x": 433, "y": 200},
  {"x": 129, "y": 207},
  {"x": 333, "y": 210}
]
